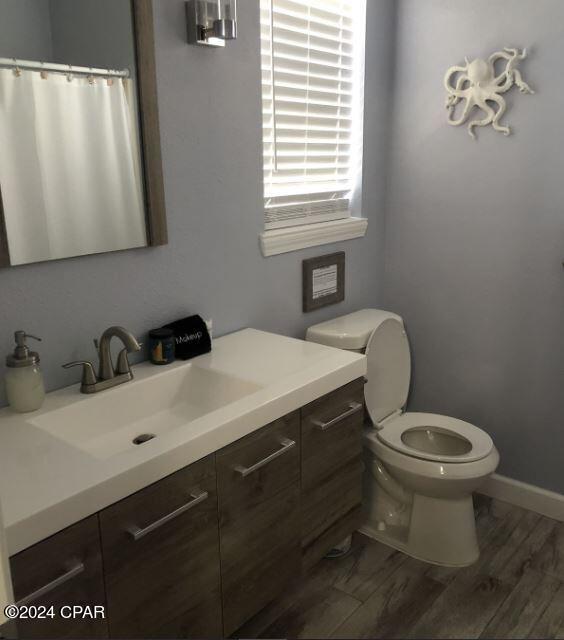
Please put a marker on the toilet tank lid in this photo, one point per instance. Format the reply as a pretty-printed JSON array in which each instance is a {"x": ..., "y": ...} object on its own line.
[{"x": 351, "y": 331}]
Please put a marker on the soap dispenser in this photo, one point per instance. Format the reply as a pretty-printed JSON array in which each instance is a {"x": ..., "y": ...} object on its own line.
[{"x": 24, "y": 380}]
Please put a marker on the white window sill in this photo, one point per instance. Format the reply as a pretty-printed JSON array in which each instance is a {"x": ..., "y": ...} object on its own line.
[{"x": 288, "y": 239}]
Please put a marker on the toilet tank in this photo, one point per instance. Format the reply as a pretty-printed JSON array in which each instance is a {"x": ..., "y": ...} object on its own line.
[
  {"x": 381, "y": 335},
  {"x": 350, "y": 332}
]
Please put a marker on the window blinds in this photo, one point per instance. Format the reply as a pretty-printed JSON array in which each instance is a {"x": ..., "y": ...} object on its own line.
[{"x": 311, "y": 99}]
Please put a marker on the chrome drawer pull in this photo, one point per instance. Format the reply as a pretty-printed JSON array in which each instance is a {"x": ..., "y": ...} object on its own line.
[
  {"x": 286, "y": 446},
  {"x": 197, "y": 496},
  {"x": 51, "y": 586},
  {"x": 354, "y": 407}
]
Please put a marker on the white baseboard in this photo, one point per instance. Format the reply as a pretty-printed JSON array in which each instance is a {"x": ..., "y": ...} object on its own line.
[{"x": 528, "y": 496}]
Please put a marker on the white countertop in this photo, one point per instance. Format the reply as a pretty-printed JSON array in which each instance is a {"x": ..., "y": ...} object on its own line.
[{"x": 47, "y": 484}]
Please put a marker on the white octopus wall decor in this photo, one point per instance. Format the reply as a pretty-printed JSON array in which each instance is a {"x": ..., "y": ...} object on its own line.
[{"x": 478, "y": 83}]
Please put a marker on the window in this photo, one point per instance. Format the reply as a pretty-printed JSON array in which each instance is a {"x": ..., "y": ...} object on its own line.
[{"x": 312, "y": 97}]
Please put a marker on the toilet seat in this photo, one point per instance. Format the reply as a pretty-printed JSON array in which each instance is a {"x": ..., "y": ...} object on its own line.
[{"x": 395, "y": 432}]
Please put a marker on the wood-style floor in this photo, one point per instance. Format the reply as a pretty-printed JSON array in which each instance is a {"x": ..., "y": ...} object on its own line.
[{"x": 515, "y": 590}]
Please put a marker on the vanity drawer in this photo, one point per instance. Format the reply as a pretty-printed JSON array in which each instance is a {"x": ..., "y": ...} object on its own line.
[
  {"x": 65, "y": 569},
  {"x": 259, "y": 465},
  {"x": 327, "y": 502},
  {"x": 332, "y": 433},
  {"x": 259, "y": 515},
  {"x": 161, "y": 558},
  {"x": 260, "y": 555},
  {"x": 332, "y": 470},
  {"x": 331, "y": 511}
]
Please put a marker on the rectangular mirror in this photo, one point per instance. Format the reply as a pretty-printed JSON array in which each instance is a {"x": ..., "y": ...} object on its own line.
[{"x": 80, "y": 161}]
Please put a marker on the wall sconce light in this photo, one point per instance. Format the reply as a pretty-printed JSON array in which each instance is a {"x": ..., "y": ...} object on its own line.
[{"x": 211, "y": 22}]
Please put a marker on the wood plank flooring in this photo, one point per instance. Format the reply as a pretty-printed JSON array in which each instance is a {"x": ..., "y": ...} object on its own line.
[{"x": 515, "y": 590}]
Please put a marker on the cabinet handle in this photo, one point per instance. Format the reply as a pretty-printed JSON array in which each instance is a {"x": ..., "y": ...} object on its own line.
[
  {"x": 286, "y": 446},
  {"x": 51, "y": 586},
  {"x": 354, "y": 407},
  {"x": 197, "y": 496}
]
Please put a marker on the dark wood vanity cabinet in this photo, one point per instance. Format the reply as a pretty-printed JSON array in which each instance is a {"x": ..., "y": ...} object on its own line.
[
  {"x": 161, "y": 558},
  {"x": 331, "y": 469},
  {"x": 259, "y": 496},
  {"x": 63, "y": 570},
  {"x": 201, "y": 551}
]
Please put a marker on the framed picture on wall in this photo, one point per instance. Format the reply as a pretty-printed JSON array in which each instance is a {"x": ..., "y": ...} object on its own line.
[{"x": 323, "y": 281}]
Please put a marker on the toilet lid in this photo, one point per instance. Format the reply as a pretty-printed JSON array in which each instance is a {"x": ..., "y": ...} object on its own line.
[
  {"x": 388, "y": 370},
  {"x": 434, "y": 437}
]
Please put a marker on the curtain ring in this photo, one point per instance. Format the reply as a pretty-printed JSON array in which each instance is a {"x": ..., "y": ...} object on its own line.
[
  {"x": 17, "y": 70},
  {"x": 69, "y": 74},
  {"x": 43, "y": 73},
  {"x": 91, "y": 78}
]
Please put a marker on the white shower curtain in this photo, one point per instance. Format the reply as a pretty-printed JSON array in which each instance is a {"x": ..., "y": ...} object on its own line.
[{"x": 69, "y": 166}]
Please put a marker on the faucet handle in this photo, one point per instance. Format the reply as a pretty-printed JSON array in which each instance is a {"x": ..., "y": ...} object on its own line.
[{"x": 88, "y": 374}]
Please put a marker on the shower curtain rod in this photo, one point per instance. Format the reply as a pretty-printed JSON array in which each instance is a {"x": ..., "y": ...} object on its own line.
[{"x": 12, "y": 63}]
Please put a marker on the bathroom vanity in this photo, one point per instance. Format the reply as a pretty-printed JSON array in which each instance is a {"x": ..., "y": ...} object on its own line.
[{"x": 193, "y": 532}]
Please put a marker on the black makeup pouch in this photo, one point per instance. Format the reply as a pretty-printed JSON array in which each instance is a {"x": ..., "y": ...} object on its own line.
[{"x": 191, "y": 336}]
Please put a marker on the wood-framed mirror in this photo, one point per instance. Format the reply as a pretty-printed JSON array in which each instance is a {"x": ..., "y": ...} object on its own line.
[{"x": 80, "y": 151}]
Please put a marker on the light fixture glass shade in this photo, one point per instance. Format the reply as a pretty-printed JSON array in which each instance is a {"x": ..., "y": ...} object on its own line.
[
  {"x": 211, "y": 22},
  {"x": 205, "y": 11},
  {"x": 228, "y": 10},
  {"x": 225, "y": 25}
]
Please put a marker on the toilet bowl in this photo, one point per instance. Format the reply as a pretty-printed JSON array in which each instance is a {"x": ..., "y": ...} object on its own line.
[{"x": 421, "y": 468}]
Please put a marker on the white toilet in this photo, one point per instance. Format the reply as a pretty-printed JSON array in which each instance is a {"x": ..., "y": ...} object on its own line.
[{"x": 421, "y": 468}]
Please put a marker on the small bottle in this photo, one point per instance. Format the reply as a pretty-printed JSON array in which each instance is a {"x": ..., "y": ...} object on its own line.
[
  {"x": 24, "y": 380},
  {"x": 162, "y": 346}
]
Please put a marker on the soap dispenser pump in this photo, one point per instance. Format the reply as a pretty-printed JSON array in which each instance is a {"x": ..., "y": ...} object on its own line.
[{"x": 24, "y": 380}]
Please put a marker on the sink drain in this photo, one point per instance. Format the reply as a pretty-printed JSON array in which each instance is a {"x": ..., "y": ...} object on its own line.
[{"x": 144, "y": 437}]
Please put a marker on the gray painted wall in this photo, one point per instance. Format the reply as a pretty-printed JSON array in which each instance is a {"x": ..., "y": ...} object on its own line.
[
  {"x": 476, "y": 229},
  {"x": 211, "y": 136},
  {"x": 25, "y": 30}
]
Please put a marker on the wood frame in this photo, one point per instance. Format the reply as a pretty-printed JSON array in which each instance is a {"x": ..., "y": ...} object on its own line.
[
  {"x": 308, "y": 267},
  {"x": 155, "y": 213},
  {"x": 142, "y": 11},
  {"x": 4, "y": 248}
]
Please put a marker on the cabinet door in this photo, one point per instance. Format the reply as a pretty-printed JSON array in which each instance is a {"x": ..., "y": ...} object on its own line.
[
  {"x": 65, "y": 569},
  {"x": 331, "y": 469},
  {"x": 161, "y": 558},
  {"x": 259, "y": 493}
]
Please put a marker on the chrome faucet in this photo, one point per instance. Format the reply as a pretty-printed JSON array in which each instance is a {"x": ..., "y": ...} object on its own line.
[{"x": 108, "y": 376}]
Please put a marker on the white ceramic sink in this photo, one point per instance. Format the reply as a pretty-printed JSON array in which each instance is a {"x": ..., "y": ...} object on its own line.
[{"x": 106, "y": 424}]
